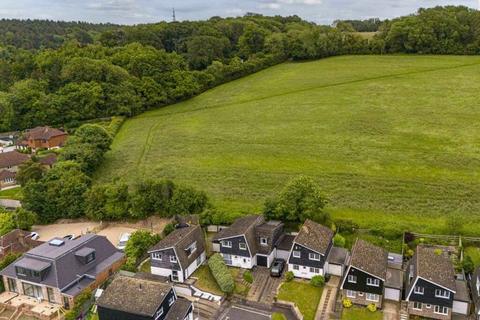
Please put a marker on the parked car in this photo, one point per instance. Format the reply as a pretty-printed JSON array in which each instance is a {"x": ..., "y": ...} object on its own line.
[
  {"x": 34, "y": 235},
  {"x": 123, "y": 241},
  {"x": 277, "y": 268},
  {"x": 69, "y": 237}
]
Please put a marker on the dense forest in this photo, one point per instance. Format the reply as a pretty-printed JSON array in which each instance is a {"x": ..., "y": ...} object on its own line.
[{"x": 62, "y": 73}]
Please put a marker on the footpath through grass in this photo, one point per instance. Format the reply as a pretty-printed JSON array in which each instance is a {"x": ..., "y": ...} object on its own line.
[
  {"x": 304, "y": 295},
  {"x": 389, "y": 138}
]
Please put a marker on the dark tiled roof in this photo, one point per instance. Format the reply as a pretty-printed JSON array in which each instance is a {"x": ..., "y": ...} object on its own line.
[
  {"x": 133, "y": 295},
  {"x": 270, "y": 230},
  {"x": 337, "y": 256},
  {"x": 43, "y": 133},
  {"x": 369, "y": 258},
  {"x": 180, "y": 239},
  {"x": 314, "y": 236},
  {"x": 243, "y": 226},
  {"x": 12, "y": 159},
  {"x": 285, "y": 242},
  {"x": 4, "y": 174},
  {"x": 433, "y": 267},
  {"x": 179, "y": 309},
  {"x": 394, "y": 278}
]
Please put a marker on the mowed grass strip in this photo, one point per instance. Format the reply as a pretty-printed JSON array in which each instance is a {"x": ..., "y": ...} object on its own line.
[
  {"x": 389, "y": 138},
  {"x": 305, "y": 296}
]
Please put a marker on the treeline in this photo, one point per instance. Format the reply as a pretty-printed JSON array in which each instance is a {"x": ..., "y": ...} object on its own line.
[
  {"x": 367, "y": 25},
  {"x": 126, "y": 70}
]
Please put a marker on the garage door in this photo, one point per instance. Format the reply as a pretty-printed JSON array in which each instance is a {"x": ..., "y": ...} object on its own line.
[
  {"x": 262, "y": 261},
  {"x": 460, "y": 307},
  {"x": 335, "y": 269},
  {"x": 392, "y": 294}
]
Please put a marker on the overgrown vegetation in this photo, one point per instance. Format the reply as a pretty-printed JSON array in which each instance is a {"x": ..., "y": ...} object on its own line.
[
  {"x": 221, "y": 273},
  {"x": 18, "y": 219},
  {"x": 137, "y": 247}
]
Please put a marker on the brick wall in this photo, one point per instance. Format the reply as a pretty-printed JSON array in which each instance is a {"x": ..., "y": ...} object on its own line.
[
  {"x": 428, "y": 312},
  {"x": 361, "y": 299}
]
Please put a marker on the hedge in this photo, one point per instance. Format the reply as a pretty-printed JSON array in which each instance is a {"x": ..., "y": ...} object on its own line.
[{"x": 221, "y": 273}]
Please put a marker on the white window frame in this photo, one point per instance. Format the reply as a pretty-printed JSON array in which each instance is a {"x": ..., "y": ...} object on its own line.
[
  {"x": 444, "y": 294},
  {"x": 192, "y": 247},
  {"x": 312, "y": 256},
  {"x": 173, "y": 259},
  {"x": 428, "y": 306},
  {"x": 314, "y": 270},
  {"x": 419, "y": 290},
  {"x": 352, "y": 278},
  {"x": 351, "y": 294},
  {"x": 156, "y": 256},
  {"x": 242, "y": 246},
  {"x": 226, "y": 243},
  {"x": 159, "y": 313},
  {"x": 372, "y": 297},
  {"x": 440, "y": 310},
  {"x": 296, "y": 254},
  {"x": 373, "y": 282},
  {"x": 296, "y": 267},
  {"x": 415, "y": 306},
  {"x": 171, "y": 300},
  {"x": 264, "y": 241}
]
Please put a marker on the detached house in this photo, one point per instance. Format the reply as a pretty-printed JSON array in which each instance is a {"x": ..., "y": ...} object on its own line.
[
  {"x": 179, "y": 254},
  {"x": 431, "y": 287},
  {"x": 364, "y": 280},
  {"x": 249, "y": 241},
  {"x": 59, "y": 270},
  {"x": 310, "y": 249},
  {"x": 131, "y": 298},
  {"x": 16, "y": 241},
  {"x": 43, "y": 138},
  {"x": 9, "y": 163}
]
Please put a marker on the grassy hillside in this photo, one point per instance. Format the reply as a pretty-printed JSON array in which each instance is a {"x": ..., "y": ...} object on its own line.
[{"x": 389, "y": 138}]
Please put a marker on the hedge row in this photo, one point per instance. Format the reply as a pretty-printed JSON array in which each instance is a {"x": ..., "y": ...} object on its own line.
[{"x": 221, "y": 273}]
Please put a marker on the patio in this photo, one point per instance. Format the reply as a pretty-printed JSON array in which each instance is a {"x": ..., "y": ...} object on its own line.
[{"x": 30, "y": 306}]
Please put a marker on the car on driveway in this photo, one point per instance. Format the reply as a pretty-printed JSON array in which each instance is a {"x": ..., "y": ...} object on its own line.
[
  {"x": 123, "y": 241},
  {"x": 277, "y": 268},
  {"x": 34, "y": 235}
]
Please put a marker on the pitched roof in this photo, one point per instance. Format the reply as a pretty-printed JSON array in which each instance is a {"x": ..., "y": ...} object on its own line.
[
  {"x": 180, "y": 239},
  {"x": 12, "y": 158},
  {"x": 243, "y": 226},
  {"x": 435, "y": 267},
  {"x": 369, "y": 258},
  {"x": 43, "y": 133},
  {"x": 285, "y": 242},
  {"x": 314, "y": 236},
  {"x": 179, "y": 309},
  {"x": 272, "y": 231},
  {"x": 65, "y": 267},
  {"x": 4, "y": 174},
  {"x": 134, "y": 295}
]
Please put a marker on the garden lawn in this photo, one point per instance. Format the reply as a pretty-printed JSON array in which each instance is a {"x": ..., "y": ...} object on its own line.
[
  {"x": 358, "y": 313},
  {"x": 206, "y": 281},
  {"x": 15, "y": 194},
  {"x": 390, "y": 139},
  {"x": 304, "y": 295}
]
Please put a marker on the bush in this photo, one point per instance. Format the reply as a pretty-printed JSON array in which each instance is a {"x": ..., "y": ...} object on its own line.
[
  {"x": 339, "y": 241},
  {"x": 221, "y": 273},
  {"x": 169, "y": 228},
  {"x": 137, "y": 247},
  {"x": 346, "y": 226},
  {"x": 347, "y": 303},
  {"x": 317, "y": 281},
  {"x": 78, "y": 307},
  {"x": 289, "y": 276},
  {"x": 468, "y": 265},
  {"x": 247, "y": 276},
  {"x": 372, "y": 307}
]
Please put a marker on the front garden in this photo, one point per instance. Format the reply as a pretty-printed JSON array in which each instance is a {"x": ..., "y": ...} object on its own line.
[
  {"x": 360, "y": 313},
  {"x": 305, "y": 296}
]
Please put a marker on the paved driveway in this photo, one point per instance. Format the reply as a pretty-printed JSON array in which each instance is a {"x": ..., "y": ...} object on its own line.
[
  {"x": 264, "y": 287},
  {"x": 391, "y": 310}
]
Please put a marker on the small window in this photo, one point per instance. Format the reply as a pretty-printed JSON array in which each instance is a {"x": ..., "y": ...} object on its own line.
[
  {"x": 351, "y": 294},
  {"x": 226, "y": 244},
  {"x": 439, "y": 293},
  {"x": 242, "y": 246},
  {"x": 173, "y": 259},
  {"x": 171, "y": 300},
  {"x": 419, "y": 290},
  {"x": 296, "y": 267},
  {"x": 159, "y": 314},
  {"x": 417, "y": 305},
  {"x": 440, "y": 310},
  {"x": 263, "y": 241},
  {"x": 156, "y": 256},
  {"x": 90, "y": 257},
  {"x": 314, "y": 256},
  {"x": 352, "y": 278},
  {"x": 314, "y": 270},
  {"x": 372, "y": 297},
  {"x": 296, "y": 254},
  {"x": 373, "y": 282}
]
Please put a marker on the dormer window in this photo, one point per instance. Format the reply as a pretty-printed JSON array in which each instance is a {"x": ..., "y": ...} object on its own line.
[
  {"x": 191, "y": 248},
  {"x": 263, "y": 241},
  {"x": 90, "y": 257}
]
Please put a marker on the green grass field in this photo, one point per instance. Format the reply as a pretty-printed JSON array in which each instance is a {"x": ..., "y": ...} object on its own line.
[{"x": 389, "y": 138}]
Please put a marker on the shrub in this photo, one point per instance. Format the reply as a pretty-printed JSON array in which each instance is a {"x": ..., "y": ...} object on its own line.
[
  {"x": 247, "y": 276},
  {"x": 339, "y": 241},
  {"x": 372, "y": 307},
  {"x": 317, "y": 281},
  {"x": 169, "y": 228},
  {"x": 468, "y": 265},
  {"x": 346, "y": 226},
  {"x": 347, "y": 303},
  {"x": 221, "y": 273},
  {"x": 80, "y": 302},
  {"x": 289, "y": 276}
]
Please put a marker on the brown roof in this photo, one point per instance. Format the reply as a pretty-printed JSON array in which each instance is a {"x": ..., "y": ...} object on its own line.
[
  {"x": 179, "y": 309},
  {"x": 180, "y": 239},
  {"x": 17, "y": 241},
  {"x": 314, "y": 236},
  {"x": 243, "y": 226},
  {"x": 4, "y": 174},
  {"x": 434, "y": 267},
  {"x": 43, "y": 133},
  {"x": 270, "y": 230},
  {"x": 134, "y": 295},
  {"x": 12, "y": 158},
  {"x": 49, "y": 160},
  {"x": 369, "y": 258}
]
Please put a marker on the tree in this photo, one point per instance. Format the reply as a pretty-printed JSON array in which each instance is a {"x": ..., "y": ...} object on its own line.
[
  {"x": 252, "y": 40},
  {"x": 187, "y": 200},
  {"x": 152, "y": 197},
  {"x": 20, "y": 218},
  {"x": 30, "y": 171},
  {"x": 137, "y": 246},
  {"x": 107, "y": 202},
  {"x": 339, "y": 241},
  {"x": 300, "y": 199}
]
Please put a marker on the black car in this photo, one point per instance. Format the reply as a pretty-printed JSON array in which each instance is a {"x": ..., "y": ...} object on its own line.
[{"x": 277, "y": 268}]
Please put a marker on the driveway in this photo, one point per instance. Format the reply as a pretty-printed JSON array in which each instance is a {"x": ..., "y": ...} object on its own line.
[
  {"x": 391, "y": 310},
  {"x": 327, "y": 301},
  {"x": 264, "y": 287},
  {"x": 50, "y": 231},
  {"x": 244, "y": 313}
]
